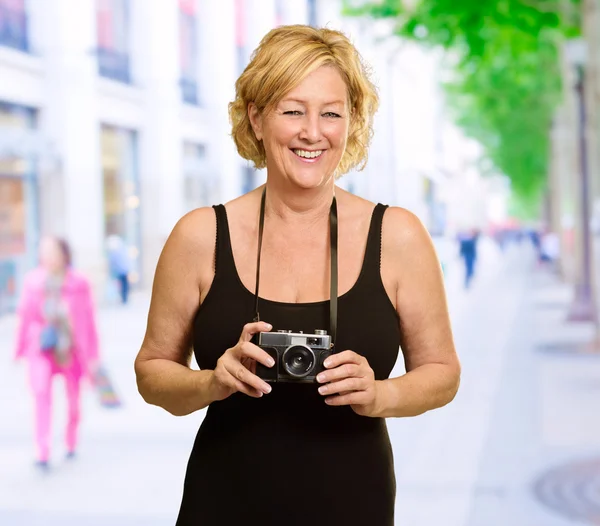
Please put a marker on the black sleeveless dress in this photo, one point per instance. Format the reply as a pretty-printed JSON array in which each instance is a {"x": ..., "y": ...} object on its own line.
[{"x": 288, "y": 458}]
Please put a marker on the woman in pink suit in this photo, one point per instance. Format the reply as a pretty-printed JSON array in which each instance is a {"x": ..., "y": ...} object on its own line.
[{"x": 57, "y": 335}]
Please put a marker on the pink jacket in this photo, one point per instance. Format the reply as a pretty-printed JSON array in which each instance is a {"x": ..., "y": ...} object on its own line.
[{"x": 77, "y": 295}]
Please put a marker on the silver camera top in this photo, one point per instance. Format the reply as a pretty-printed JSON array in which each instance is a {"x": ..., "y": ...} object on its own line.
[
  {"x": 284, "y": 337},
  {"x": 320, "y": 332}
]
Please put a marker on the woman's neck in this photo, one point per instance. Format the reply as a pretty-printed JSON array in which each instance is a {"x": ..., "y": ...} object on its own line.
[{"x": 298, "y": 206}]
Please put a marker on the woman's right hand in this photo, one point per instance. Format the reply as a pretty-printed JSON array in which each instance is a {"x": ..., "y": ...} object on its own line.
[{"x": 235, "y": 369}]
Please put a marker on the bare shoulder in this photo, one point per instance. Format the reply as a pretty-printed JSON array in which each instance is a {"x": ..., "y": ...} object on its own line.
[
  {"x": 408, "y": 256},
  {"x": 354, "y": 207},
  {"x": 243, "y": 207},
  {"x": 196, "y": 230},
  {"x": 190, "y": 248},
  {"x": 403, "y": 230}
]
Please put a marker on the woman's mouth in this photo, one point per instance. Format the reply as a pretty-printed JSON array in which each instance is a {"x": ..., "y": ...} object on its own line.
[{"x": 310, "y": 156}]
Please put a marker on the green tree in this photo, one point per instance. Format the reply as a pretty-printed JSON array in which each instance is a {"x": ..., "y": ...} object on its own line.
[{"x": 505, "y": 79}]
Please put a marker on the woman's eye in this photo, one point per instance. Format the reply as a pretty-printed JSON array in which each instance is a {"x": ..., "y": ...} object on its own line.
[
  {"x": 331, "y": 114},
  {"x": 292, "y": 112}
]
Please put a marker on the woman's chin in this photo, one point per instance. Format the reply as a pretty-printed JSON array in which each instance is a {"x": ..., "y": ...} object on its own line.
[{"x": 309, "y": 179}]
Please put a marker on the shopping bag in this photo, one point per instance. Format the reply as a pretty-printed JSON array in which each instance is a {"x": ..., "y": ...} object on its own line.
[{"x": 104, "y": 387}]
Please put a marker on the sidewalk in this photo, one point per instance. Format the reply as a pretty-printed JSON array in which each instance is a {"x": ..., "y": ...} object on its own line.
[
  {"x": 543, "y": 450},
  {"x": 541, "y": 461}
]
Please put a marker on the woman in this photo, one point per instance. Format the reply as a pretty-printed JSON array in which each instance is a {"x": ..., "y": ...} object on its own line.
[
  {"x": 291, "y": 453},
  {"x": 57, "y": 335}
]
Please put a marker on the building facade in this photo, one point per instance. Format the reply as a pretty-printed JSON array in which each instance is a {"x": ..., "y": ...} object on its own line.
[{"x": 114, "y": 121}]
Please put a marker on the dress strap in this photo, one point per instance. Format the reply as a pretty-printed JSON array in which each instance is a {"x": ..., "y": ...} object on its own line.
[
  {"x": 372, "y": 261},
  {"x": 224, "y": 262}
]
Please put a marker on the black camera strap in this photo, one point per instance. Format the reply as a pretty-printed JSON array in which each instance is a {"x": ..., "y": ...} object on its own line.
[{"x": 333, "y": 286}]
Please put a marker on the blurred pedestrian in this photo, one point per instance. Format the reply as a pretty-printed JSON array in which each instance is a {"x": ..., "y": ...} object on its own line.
[
  {"x": 549, "y": 250},
  {"x": 468, "y": 251},
  {"x": 119, "y": 265},
  {"x": 536, "y": 241},
  {"x": 56, "y": 335}
]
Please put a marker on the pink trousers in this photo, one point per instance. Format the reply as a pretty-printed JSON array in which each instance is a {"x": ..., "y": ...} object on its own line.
[{"x": 42, "y": 371}]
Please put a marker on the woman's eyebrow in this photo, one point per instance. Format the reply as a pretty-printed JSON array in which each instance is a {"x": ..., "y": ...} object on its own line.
[{"x": 300, "y": 101}]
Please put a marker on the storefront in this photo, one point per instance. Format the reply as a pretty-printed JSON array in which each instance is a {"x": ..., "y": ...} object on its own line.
[
  {"x": 122, "y": 193},
  {"x": 19, "y": 224}
]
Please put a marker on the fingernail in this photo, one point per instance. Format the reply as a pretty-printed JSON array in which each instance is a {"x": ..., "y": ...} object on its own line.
[
  {"x": 320, "y": 378},
  {"x": 268, "y": 326},
  {"x": 323, "y": 389},
  {"x": 327, "y": 363},
  {"x": 267, "y": 389},
  {"x": 271, "y": 362}
]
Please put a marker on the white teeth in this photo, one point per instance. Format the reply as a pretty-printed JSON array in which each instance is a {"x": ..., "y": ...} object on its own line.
[{"x": 308, "y": 155}]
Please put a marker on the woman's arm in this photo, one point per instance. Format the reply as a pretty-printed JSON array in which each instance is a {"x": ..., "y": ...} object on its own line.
[
  {"x": 183, "y": 275},
  {"x": 433, "y": 368}
]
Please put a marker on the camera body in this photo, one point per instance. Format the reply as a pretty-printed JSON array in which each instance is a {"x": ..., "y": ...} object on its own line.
[{"x": 298, "y": 356}]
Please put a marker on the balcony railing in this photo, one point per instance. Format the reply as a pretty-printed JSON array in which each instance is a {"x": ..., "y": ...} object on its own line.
[
  {"x": 13, "y": 29},
  {"x": 114, "y": 65},
  {"x": 189, "y": 90}
]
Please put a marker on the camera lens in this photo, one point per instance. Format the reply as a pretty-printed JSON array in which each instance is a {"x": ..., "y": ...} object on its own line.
[{"x": 298, "y": 361}]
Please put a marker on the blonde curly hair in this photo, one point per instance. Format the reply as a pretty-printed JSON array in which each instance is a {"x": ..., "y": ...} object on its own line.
[{"x": 284, "y": 57}]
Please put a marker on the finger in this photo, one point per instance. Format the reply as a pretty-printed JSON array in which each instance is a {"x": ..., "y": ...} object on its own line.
[
  {"x": 349, "y": 384},
  {"x": 249, "y": 364},
  {"x": 355, "y": 398},
  {"x": 243, "y": 375},
  {"x": 251, "y": 329},
  {"x": 249, "y": 350},
  {"x": 226, "y": 379},
  {"x": 243, "y": 388},
  {"x": 346, "y": 370},
  {"x": 338, "y": 359}
]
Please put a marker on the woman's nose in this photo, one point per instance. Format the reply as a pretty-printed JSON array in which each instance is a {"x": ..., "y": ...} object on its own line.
[{"x": 311, "y": 129}]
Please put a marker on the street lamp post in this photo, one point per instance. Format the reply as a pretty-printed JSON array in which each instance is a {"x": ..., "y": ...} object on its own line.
[{"x": 584, "y": 306}]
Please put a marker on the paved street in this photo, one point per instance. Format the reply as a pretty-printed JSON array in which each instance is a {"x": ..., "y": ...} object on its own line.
[{"x": 525, "y": 407}]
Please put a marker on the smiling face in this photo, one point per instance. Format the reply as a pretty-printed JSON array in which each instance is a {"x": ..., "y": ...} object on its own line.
[{"x": 305, "y": 135}]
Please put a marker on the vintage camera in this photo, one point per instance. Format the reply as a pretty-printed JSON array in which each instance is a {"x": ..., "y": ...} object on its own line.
[{"x": 298, "y": 357}]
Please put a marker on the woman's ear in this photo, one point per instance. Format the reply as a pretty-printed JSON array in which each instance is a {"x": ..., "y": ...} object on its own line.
[{"x": 255, "y": 120}]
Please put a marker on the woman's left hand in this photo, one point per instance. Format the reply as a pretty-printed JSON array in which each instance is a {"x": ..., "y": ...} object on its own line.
[{"x": 350, "y": 378}]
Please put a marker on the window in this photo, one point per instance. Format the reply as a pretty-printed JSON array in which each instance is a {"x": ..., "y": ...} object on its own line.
[
  {"x": 112, "y": 21},
  {"x": 188, "y": 48},
  {"x": 13, "y": 24},
  {"x": 122, "y": 215},
  {"x": 19, "y": 224}
]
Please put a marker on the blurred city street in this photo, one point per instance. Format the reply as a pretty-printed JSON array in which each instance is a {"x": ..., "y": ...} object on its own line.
[
  {"x": 526, "y": 406},
  {"x": 118, "y": 117}
]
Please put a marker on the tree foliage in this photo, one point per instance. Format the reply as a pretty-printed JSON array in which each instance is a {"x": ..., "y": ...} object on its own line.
[{"x": 506, "y": 79}]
